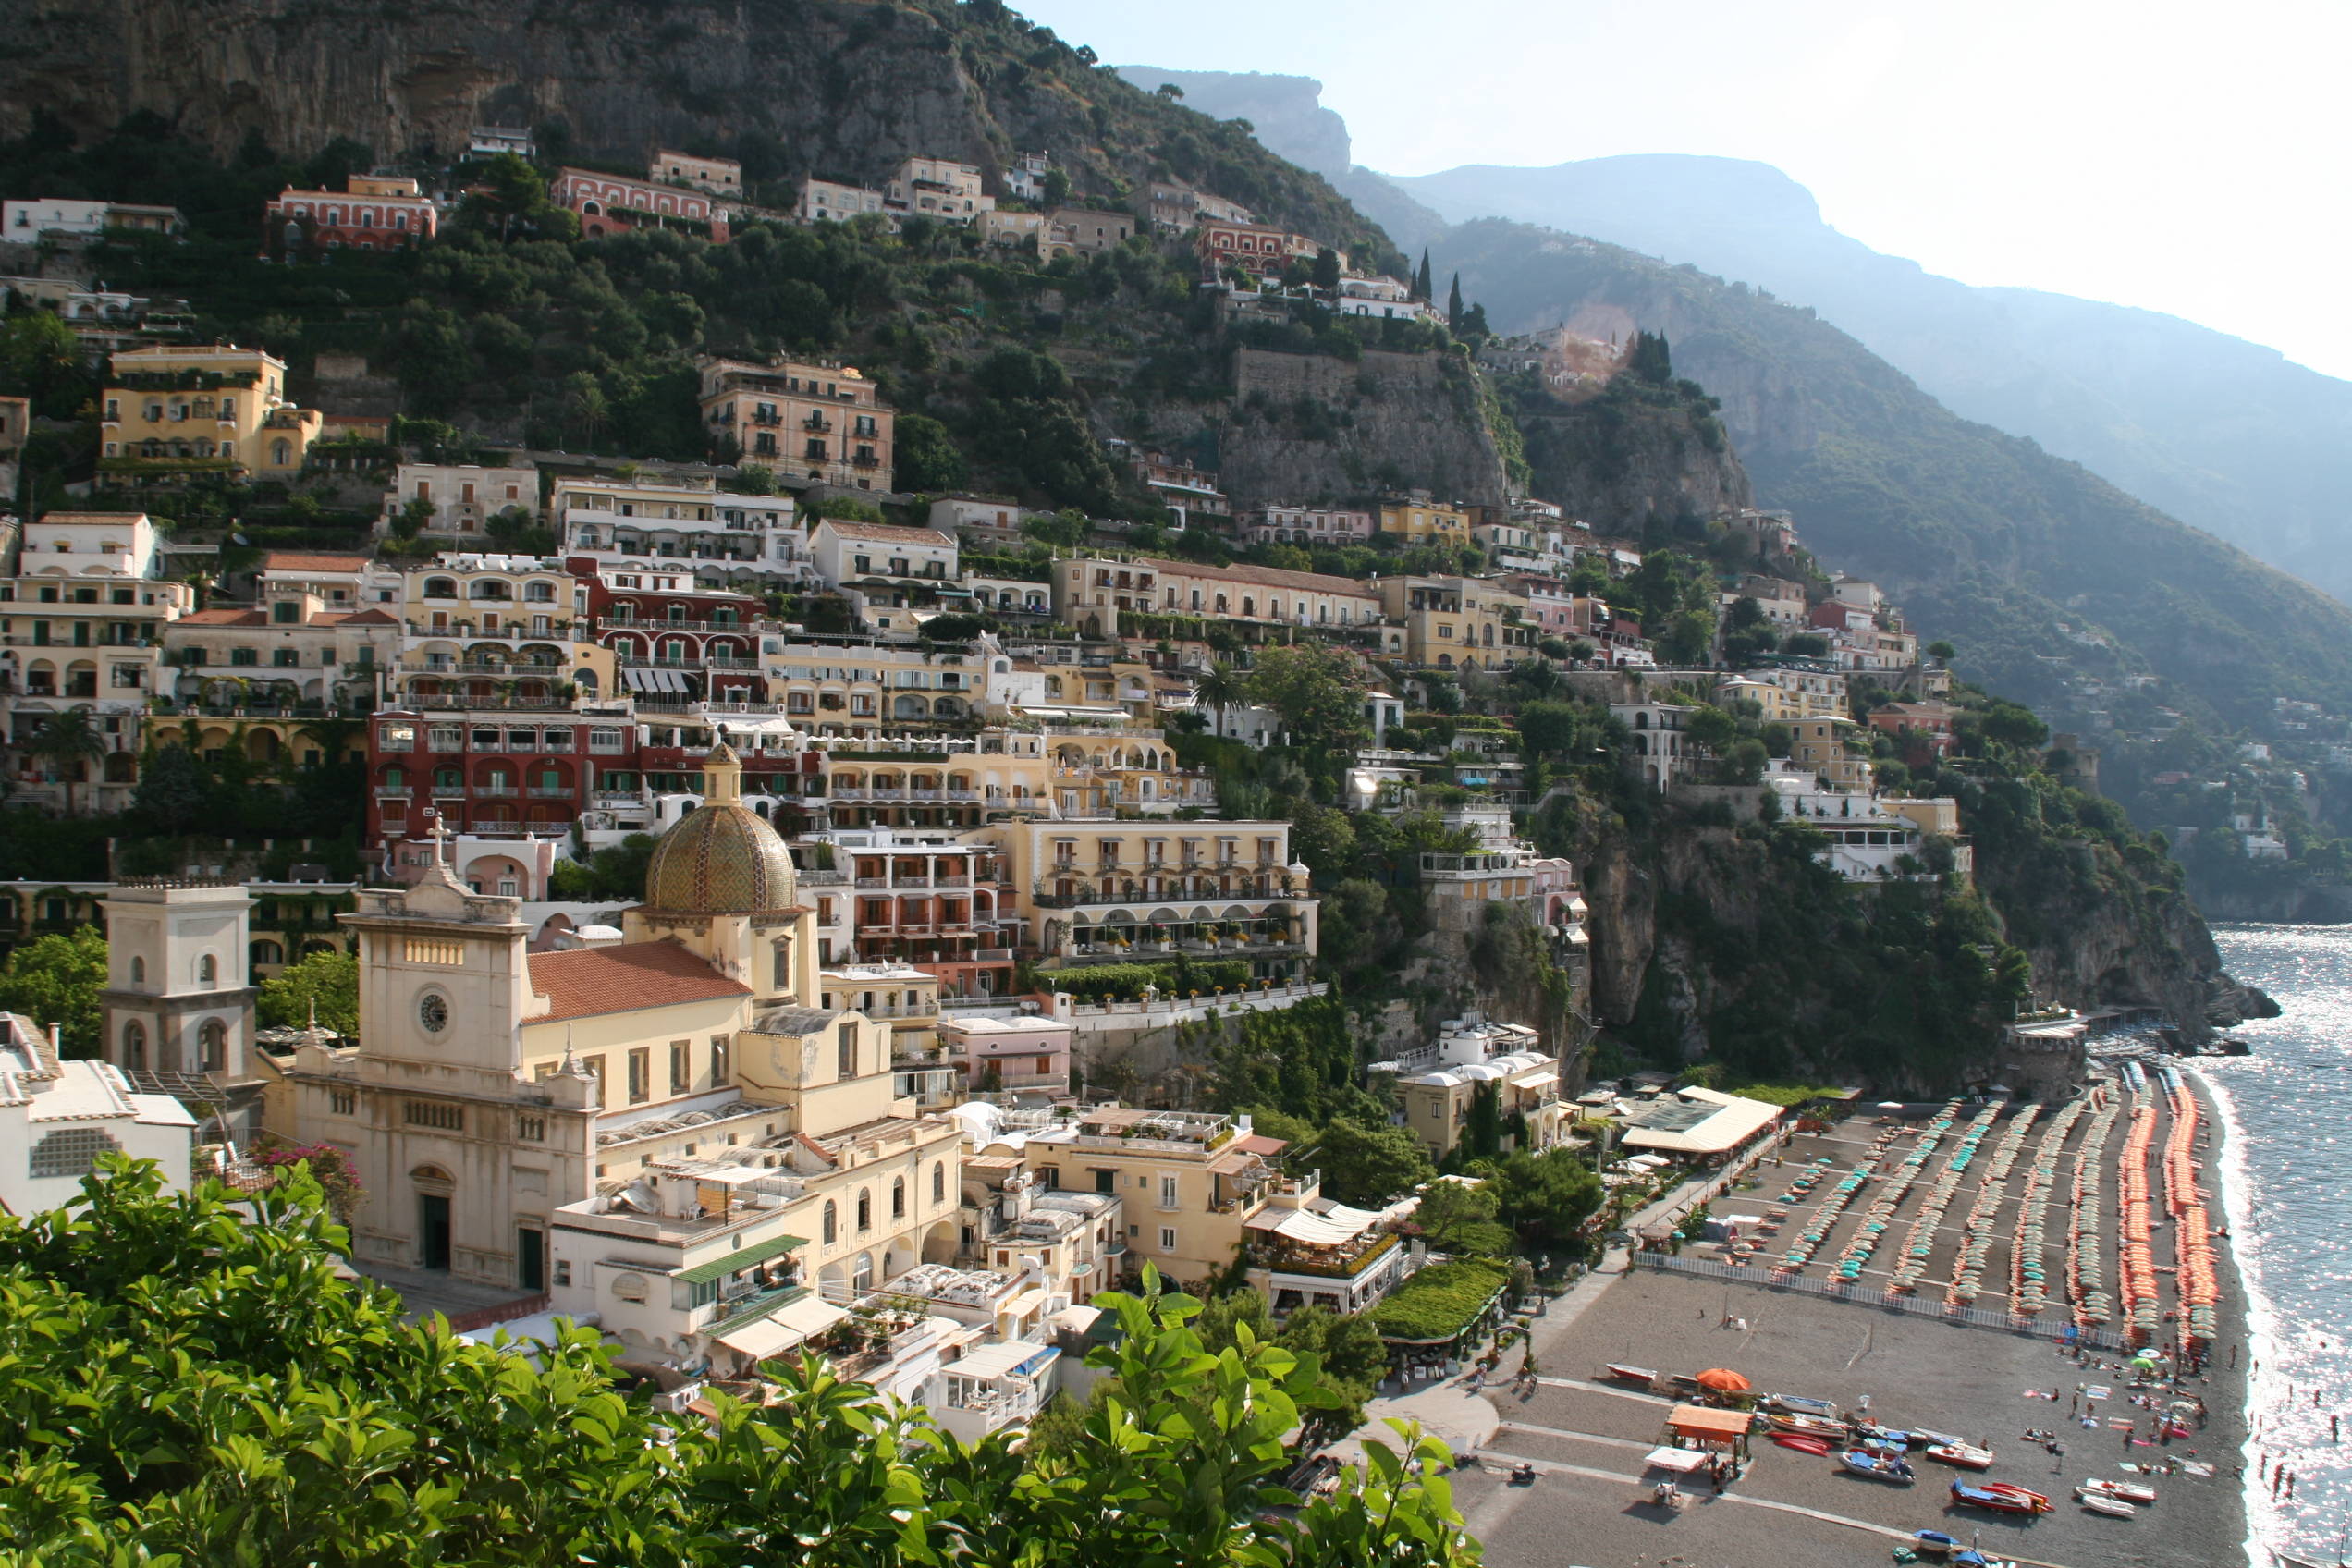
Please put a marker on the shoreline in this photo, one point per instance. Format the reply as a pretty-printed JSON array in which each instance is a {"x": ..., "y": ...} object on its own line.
[{"x": 2257, "y": 1389}]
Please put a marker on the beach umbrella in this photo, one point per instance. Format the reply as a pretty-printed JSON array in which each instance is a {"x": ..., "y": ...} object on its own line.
[{"x": 1723, "y": 1380}]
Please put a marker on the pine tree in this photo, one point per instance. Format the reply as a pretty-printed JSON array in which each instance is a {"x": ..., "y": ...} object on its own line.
[
  {"x": 1421, "y": 280},
  {"x": 1454, "y": 305}
]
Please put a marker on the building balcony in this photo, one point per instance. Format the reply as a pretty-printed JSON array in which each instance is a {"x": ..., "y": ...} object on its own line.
[
  {"x": 550, "y": 792},
  {"x": 496, "y": 791},
  {"x": 393, "y": 792}
]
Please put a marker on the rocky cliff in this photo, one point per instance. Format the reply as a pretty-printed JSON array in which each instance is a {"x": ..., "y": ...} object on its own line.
[
  {"x": 1314, "y": 426},
  {"x": 844, "y": 87}
]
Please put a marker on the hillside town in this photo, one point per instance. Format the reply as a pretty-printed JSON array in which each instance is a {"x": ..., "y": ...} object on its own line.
[{"x": 788, "y": 911}]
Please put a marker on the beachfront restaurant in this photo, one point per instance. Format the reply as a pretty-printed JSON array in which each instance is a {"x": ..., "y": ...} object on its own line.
[{"x": 1702, "y": 1127}]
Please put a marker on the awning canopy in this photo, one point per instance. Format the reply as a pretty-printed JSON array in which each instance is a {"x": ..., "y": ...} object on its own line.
[
  {"x": 779, "y": 1331},
  {"x": 1682, "y": 1461},
  {"x": 673, "y": 681},
  {"x": 740, "y": 1258},
  {"x": 1703, "y": 1421},
  {"x": 1336, "y": 1226}
]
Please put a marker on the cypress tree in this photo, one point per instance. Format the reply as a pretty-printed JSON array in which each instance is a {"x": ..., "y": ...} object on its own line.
[
  {"x": 1421, "y": 281},
  {"x": 1454, "y": 305}
]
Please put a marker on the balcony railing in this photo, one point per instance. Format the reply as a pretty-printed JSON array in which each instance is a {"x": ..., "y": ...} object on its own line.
[{"x": 550, "y": 792}]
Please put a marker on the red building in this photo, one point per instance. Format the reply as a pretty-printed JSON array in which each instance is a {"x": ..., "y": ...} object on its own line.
[
  {"x": 672, "y": 639},
  {"x": 946, "y": 909},
  {"x": 376, "y": 213},
  {"x": 609, "y": 203}
]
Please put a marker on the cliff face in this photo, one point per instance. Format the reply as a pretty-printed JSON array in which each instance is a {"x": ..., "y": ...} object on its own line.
[
  {"x": 842, "y": 88},
  {"x": 1308, "y": 426},
  {"x": 1633, "y": 453}
]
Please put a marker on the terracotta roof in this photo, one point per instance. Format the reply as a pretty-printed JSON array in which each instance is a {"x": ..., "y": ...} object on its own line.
[
  {"x": 849, "y": 529},
  {"x": 1259, "y": 1144},
  {"x": 359, "y": 617},
  {"x": 230, "y": 617},
  {"x": 1269, "y": 577},
  {"x": 286, "y": 561},
  {"x": 584, "y": 982}
]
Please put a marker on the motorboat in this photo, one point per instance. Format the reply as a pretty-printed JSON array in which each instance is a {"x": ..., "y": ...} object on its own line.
[
  {"x": 2130, "y": 1491},
  {"x": 1818, "y": 1446},
  {"x": 1877, "y": 1433},
  {"x": 2000, "y": 1497},
  {"x": 1948, "y": 1440},
  {"x": 1877, "y": 1466},
  {"x": 1797, "y": 1404},
  {"x": 2100, "y": 1502},
  {"x": 1621, "y": 1373},
  {"x": 1965, "y": 1456},
  {"x": 1809, "y": 1427}
]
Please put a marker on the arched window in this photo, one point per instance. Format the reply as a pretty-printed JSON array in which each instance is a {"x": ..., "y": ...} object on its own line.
[
  {"x": 134, "y": 1047},
  {"x": 539, "y": 593},
  {"x": 832, "y": 1222},
  {"x": 898, "y": 1198},
  {"x": 138, "y": 973},
  {"x": 865, "y": 1209},
  {"x": 212, "y": 1046},
  {"x": 939, "y": 1182},
  {"x": 281, "y": 453},
  {"x": 208, "y": 970},
  {"x": 440, "y": 587},
  {"x": 71, "y": 1151}
]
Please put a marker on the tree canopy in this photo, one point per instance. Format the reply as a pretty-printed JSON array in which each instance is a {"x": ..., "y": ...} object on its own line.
[
  {"x": 189, "y": 1385},
  {"x": 329, "y": 980},
  {"x": 56, "y": 979}
]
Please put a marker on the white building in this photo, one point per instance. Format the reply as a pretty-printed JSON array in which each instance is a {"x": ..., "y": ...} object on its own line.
[
  {"x": 879, "y": 558},
  {"x": 57, "y": 1118},
  {"x": 463, "y": 497},
  {"x": 827, "y": 201}
]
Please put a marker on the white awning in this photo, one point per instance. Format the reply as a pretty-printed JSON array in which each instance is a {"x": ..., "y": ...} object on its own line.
[
  {"x": 787, "y": 1326},
  {"x": 1336, "y": 1227},
  {"x": 1682, "y": 1461}
]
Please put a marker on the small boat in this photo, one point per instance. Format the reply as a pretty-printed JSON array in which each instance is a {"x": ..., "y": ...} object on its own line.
[
  {"x": 1818, "y": 1446},
  {"x": 2130, "y": 1491},
  {"x": 1626, "y": 1374},
  {"x": 1877, "y": 1433},
  {"x": 1811, "y": 1426},
  {"x": 1948, "y": 1440},
  {"x": 1797, "y": 1404},
  {"x": 2001, "y": 1496},
  {"x": 1935, "y": 1543},
  {"x": 2098, "y": 1502},
  {"x": 1877, "y": 1466},
  {"x": 1966, "y": 1456}
]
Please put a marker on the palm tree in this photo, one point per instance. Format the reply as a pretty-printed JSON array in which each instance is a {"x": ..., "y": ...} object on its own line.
[
  {"x": 1220, "y": 688},
  {"x": 67, "y": 741}
]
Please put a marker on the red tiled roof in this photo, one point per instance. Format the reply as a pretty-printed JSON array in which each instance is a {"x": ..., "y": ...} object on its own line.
[
  {"x": 359, "y": 617},
  {"x": 286, "y": 561},
  {"x": 1268, "y": 577},
  {"x": 1259, "y": 1144},
  {"x": 587, "y": 981},
  {"x": 849, "y": 528},
  {"x": 227, "y": 617}
]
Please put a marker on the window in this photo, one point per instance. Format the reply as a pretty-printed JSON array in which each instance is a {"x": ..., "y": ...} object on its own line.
[
  {"x": 832, "y": 1222},
  {"x": 865, "y": 1209},
  {"x": 719, "y": 1060},
  {"x": 1167, "y": 1239},
  {"x": 640, "y": 1071},
  {"x": 138, "y": 971},
  {"x": 596, "y": 1066},
  {"x": 71, "y": 1151},
  {"x": 212, "y": 1046},
  {"x": 563, "y": 1271},
  {"x": 208, "y": 970},
  {"x": 1167, "y": 1191},
  {"x": 134, "y": 1056},
  {"x": 1105, "y": 1181},
  {"x": 939, "y": 1182},
  {"x": 681, "y": 1066},
  {"x": 845, "y": 1050},
  {"x": 898, "y": 1198},
  {"x": 428, "y": 1113},
  {"x": 782, "y": 976},
  {"x": 343, "y": 1102}
]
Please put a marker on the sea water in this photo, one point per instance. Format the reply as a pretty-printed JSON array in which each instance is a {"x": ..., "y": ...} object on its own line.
[{"x": 2287, "y": 1173}]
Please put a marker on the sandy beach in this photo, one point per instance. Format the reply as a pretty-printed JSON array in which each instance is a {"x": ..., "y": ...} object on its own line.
[{"x": 1591, "y": 1508}]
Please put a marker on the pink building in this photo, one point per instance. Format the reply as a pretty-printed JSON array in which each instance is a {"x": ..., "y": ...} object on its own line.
[
  {"x": 1308, "y": 525},
  {"x": 608, "y": 203},
  {"x": 1029, "y": 1052}
]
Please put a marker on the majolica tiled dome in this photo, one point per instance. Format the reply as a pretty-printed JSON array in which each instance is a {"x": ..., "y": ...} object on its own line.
[{"x": 722, "y": 858}]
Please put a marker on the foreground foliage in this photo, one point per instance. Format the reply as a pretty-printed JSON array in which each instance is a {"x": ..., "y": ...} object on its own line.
[{"x": 185, "y": 1385}]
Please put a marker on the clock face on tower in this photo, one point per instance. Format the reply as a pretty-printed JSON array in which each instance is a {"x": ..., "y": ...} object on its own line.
[{"x": 433, "y": 1012}]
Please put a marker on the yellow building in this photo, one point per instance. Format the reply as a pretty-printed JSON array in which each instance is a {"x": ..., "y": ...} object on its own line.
[
  {"x": 216, "y": 409},
  {"x": 1423, "y": 522},
  {"x": 1436, "y": 1105},
  {"x": 1459, "y": 622},
  {"x": 1188, "y": 1182},
  {"x": 1825, "y": 745}
]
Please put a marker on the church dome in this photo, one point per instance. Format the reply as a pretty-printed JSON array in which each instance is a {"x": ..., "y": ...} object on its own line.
[{"x": 722, "y": 858}]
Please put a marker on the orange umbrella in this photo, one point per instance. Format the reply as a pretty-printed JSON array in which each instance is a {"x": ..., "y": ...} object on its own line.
[{"x": 1723, "y": 1380}]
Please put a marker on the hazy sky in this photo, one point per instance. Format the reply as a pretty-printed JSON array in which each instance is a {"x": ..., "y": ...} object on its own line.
[{"x": 2188, "y": 160}]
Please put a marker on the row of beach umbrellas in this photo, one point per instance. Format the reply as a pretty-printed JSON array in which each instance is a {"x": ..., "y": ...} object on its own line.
[
  {"x": 1919, "y": 1243},
  {"x": 1976, "y": 1232},
  {"x": 2028, "y": 1282},
  {"x": 2136, "y": 1255},
  {"x": 2198, "y": 1278},
  {"x": 2085, "y": 1270}
]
